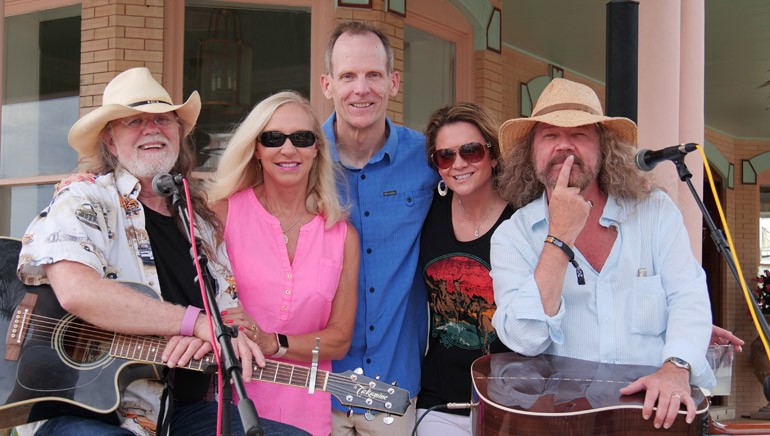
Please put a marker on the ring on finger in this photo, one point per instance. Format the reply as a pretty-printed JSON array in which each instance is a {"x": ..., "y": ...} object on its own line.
[{"x": 676, "y": 395}]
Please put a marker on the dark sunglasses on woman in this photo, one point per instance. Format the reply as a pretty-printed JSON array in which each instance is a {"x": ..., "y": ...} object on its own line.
[
  {"x": 471, "y": 152},
  {"x": 302, "y": 138}
]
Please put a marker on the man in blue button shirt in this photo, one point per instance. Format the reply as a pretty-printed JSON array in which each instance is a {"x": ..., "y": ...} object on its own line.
[{"x": 390, "y": 187}]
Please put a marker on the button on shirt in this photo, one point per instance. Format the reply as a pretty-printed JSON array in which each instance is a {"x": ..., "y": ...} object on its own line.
[
  {"x": 648, "y": 303},
  {"x": 389, "y": 198}
]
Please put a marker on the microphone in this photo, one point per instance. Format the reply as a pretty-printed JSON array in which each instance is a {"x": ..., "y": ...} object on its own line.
[
  {"x": 646, "y": 160},
  {"x": 166, "y": 185}
]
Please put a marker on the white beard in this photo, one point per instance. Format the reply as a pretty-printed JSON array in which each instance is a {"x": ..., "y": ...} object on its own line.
[{"x": 143, "y": 167}]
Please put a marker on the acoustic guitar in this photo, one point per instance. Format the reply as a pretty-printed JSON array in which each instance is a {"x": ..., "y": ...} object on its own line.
[
  {"x": 553, "y": 395},
  {"x": 53, "y": 360}
]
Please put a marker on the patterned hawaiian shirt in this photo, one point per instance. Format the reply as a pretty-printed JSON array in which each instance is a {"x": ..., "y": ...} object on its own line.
[{"x": 100, "y": 223}]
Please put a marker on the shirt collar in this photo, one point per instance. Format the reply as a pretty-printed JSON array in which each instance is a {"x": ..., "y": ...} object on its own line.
[
  {"x": 387, "y": 151},
  {"x": 615, "y": 211},
  {"x": 127, "y": 184}
]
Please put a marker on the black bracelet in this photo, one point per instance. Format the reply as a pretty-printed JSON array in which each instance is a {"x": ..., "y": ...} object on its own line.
[{"x": 570, "y": 255}]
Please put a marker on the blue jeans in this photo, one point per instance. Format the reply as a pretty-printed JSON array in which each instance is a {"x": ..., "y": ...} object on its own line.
[{"x": 196, "y": 419}]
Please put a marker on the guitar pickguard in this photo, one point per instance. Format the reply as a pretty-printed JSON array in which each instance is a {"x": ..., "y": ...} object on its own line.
[{"x": 65, "y": 352}]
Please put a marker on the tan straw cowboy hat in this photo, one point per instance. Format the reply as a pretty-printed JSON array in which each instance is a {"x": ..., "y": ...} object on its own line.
[
  {"x": 564, "y": 103},
  {"x": 131, "y": 92}
]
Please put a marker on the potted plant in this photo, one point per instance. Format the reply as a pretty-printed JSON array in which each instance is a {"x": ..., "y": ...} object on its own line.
[
  {"x": 762, "y": 291},
  {"x": 759, "y": 358}
]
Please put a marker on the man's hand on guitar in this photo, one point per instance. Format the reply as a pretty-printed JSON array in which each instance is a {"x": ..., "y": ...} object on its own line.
[
  {"x": 670, "y": 388},
  {"x": 247, "y": 350},
  {"x": 181, "y": 349}
]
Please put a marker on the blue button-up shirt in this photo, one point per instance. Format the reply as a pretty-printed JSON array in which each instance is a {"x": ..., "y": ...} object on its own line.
[
  {"x": 389, "y": 199},
  {"x": 649, "y": 302}
]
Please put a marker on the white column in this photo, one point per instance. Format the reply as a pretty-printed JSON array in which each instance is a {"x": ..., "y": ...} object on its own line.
[{"x": 671, "y": 61}]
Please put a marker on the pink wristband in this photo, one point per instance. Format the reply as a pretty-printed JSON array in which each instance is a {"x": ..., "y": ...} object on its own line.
[{"x": 188, "y": 322}]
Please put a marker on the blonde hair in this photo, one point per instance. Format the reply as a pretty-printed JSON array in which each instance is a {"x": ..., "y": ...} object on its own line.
[
  {"x": 238, "y": 169},
  {"x": 617, "y": 176}
]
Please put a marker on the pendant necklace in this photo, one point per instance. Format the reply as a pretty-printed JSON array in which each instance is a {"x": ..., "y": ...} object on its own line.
[
  {"x": 285, "y": 236},
  {"x": 476, "y": 231}
]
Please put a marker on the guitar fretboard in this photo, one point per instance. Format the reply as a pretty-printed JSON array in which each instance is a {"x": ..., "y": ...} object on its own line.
[{"x": 149, "y": 349}]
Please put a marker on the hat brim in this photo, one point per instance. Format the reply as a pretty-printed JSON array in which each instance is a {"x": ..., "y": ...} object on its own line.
[
  {"x": 84, "y": 134},
  {"x": 513, "y": 131}
]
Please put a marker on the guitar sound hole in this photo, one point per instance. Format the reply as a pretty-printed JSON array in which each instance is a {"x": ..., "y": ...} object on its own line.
[{"x": 82, "y": 345}]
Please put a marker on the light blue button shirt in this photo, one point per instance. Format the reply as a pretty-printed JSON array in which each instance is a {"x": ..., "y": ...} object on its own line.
[
  {"x": 648, "y": 303},
  {"x": 389, "y": 200}
]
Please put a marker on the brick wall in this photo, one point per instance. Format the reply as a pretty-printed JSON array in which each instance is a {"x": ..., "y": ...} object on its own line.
[
  {"x": 741, "y": 206},
  {"x": 117, "y": 35}
]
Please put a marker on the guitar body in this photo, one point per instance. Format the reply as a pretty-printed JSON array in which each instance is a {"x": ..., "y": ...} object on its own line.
[
  {"x": 57, "y": 362},
  {"x": 552, "y": 395}
]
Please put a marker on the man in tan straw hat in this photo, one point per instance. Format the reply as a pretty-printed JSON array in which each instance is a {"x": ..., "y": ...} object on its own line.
[
  {"x": 115, "y": 227},
  {"x": 596, "y": 264}
]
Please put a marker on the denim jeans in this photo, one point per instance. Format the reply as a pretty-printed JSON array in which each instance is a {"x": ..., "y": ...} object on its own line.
[{"x": 196, "y": 419}]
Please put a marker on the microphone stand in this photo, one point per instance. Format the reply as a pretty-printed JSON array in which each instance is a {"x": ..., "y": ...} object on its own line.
[
  {"x": 231, "y": 367},
  {"x": 719, "y": 240}
]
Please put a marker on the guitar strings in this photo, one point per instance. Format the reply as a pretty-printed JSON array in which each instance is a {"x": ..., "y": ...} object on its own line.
[{"x": 140, "y": 347}]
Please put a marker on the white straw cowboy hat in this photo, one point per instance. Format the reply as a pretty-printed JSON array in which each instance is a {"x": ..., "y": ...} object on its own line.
[
  {"x": 131, "y": 92},
  {"x": 564, "y": 103}
]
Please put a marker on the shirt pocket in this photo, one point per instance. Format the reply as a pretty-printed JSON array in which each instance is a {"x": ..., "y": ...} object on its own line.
[
  {"x": 649, "y": 309},
  {"x": 328, "y": 278},
  {"x": 417, "y": 197}
]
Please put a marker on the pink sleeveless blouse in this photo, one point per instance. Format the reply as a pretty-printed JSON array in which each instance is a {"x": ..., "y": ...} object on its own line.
[{"x": 284, "y": 297}]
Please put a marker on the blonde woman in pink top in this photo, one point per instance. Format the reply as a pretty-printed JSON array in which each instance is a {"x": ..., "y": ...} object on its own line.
[{"x": 294, "y": 257}]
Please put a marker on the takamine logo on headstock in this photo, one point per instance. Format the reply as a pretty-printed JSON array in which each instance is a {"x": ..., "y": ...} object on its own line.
[{"x": 353, "y": 389}]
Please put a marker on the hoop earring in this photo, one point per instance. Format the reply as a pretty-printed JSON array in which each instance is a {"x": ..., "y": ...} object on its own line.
[{"x": 442, "y": 188}]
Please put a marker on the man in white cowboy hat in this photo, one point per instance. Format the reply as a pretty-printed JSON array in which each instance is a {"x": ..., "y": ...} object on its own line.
[
  {"x": 596, "y": 264},
  {"x": 115, "y": 227}
]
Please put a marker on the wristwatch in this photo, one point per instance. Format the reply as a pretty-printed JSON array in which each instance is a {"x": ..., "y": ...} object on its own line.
[
  {"x": 283, "y": 345},
  {"x": 679, "y": 363}
]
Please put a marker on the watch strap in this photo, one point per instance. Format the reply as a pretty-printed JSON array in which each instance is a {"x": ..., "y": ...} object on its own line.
[{"x": 679, "y": 363}]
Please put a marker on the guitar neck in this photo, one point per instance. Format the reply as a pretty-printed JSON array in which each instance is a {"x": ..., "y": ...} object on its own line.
[{"x": 149, "y": 349}]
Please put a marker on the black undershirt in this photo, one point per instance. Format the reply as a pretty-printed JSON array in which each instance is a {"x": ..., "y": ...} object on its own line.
[{"x": 176, "y": 275}]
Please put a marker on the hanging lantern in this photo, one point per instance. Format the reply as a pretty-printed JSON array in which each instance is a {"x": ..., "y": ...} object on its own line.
[{"x": 224, "y": 63}]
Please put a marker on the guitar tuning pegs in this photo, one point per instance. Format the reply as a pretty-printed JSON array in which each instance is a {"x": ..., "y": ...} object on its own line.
[
  {"x": 395, "y": 383},
  {"x": 377, "y": 377},
  {"x": 350, "y": 412},
  {"x": 358, "y": 371},
  {"x": 369, "y": 416},
  {"x": 388, "y": 419}
]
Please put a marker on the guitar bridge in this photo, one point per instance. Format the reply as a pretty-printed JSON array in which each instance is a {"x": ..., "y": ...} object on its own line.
[{"x": 17, "y": 330}]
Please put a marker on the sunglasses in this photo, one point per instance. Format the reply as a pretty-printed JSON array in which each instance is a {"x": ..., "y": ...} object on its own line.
[
  {"x": 302, "y": 138},
  {"x": 471, "y": 152}
]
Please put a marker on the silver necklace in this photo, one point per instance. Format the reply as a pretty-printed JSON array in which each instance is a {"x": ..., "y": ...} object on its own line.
[
  {"x": 285, "y": 236},
  {"x": 476, "y": 231}
]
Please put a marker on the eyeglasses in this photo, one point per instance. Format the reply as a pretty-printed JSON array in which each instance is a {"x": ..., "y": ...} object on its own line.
[
  {"x": 302, "y": 138},
  {"x": 139, "y": 122},
  {"x": 471, "y": 152}
]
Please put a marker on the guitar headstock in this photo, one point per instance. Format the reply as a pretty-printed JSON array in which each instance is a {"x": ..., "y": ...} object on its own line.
[{"x": 356, "y": 390}]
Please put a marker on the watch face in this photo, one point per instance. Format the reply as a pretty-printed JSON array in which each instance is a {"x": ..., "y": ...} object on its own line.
[
  {"x": 283, "y": 341},
  {"x": 679, "y": 362}
]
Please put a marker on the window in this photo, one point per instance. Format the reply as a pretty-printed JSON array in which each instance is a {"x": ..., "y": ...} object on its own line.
[
  {"x": 40, "y": 104},
  {"x": 235, "y": 57},
  {"x": 429, "y": 76}
]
